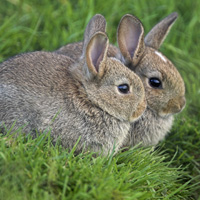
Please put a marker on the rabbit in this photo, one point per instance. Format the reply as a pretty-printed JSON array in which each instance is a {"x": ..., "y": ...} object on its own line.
[
  {"x": 164, "y": 86},
  {"x": 94, "y": 99}
]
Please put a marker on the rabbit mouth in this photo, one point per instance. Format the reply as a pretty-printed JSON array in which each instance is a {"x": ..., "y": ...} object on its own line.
[
  {"x": 165, "y": 114},
  {"x": 172, "y": 111}
]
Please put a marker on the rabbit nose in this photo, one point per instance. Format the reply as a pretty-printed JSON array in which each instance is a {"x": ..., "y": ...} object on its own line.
[
  {"x": 174, "y": 105},
  {"x": 177, "y": 104},
  {"x": 182, "y": 102}
]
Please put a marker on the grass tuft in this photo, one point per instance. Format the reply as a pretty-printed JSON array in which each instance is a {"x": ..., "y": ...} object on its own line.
[{"x": 36, "y": 169}]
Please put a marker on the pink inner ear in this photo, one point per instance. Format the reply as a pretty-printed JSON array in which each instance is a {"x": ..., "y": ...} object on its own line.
[
  {"x": 132, "y": 39},
  {"x": 97, "y": 52},
  {"x": 95, "y": 56}
]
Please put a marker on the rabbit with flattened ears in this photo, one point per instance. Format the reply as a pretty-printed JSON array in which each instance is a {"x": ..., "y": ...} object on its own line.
[
  {"x": 97, "y": 96},
  {"x": 164, "y": 86}
]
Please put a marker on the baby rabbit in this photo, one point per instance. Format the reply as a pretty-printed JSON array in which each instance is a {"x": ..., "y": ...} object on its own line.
[
  {"x": 164, "y": 87},
  {"x": 95, "y": 98}
]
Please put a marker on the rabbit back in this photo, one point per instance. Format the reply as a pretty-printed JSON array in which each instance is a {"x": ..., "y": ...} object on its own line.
[
  {"x": 28, "y": 84},
  {"x": 36, "y": 87}
]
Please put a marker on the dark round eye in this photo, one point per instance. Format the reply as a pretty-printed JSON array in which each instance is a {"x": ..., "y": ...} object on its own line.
[
  {"x": 155, "y": 83},
  {"x": 124, "y": 88}
]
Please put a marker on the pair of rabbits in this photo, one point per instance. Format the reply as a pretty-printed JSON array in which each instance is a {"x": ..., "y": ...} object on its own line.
[{"x": 107, "y": 97}]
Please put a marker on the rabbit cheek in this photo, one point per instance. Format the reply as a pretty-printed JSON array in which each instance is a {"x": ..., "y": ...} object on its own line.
[
  {"x": 153, "y": 97},
  {"x": 139, "y": 111}
]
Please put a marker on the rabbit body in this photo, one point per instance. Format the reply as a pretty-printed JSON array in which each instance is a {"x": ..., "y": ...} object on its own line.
[
  {"x": 73, "y": 50},
  {"x": 29, "y": 87},
  {"x": 94, "y": 98},
  {"x": 34, "y": 87}
]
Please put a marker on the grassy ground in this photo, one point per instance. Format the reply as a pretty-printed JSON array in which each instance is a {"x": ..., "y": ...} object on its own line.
[{"x": 33, "y": 169}]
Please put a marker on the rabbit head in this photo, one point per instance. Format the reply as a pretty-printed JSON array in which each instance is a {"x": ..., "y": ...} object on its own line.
[
  {"x": 164, "y": 86},
  {"x": 108, "y": 83}
]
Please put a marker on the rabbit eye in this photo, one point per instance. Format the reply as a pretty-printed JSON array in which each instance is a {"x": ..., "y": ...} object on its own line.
[
  {"x": 155, "y": 83},
  {"x": 124, "y": 88}
]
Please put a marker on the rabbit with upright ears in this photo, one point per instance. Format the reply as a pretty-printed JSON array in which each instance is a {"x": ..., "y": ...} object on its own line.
[
  {"x": 164, "y": 86},
  {"x": 94, "y": 98}
]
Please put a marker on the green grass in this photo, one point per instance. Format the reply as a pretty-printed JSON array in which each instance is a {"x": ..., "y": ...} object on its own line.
[{"x": 34, "y": 169}]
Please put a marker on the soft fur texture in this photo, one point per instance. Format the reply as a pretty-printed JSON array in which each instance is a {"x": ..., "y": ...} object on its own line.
[
  {"x": 164, "y": 102},
  {"x": 149, "y": 129},
  {"x": 37, "y": 86},
  {"x": 141, "y": 55}
]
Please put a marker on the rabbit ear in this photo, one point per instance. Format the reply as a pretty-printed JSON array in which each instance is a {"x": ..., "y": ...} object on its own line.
[
  {"x": 158, "y": 33},
  {"x": 130, "y": 36},
  {"x": 96, "y": 24},
  {"x": 96, "y": 54}
]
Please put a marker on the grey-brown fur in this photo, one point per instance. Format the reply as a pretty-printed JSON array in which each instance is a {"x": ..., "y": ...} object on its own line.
[
  {"x": 162, "y": 103},
  {"x": 37, "y": 86},
  {"x": 140, "y": 54}
]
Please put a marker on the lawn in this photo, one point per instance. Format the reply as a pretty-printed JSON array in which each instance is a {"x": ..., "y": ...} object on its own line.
[{"x": 35, "y": 169}]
